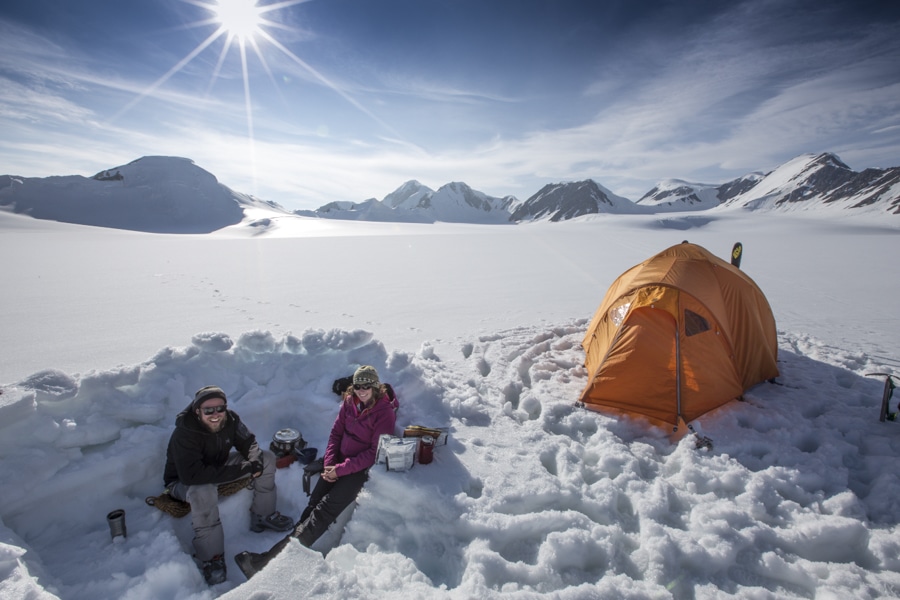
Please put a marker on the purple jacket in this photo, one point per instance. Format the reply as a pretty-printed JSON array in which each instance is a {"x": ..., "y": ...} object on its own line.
[{"x": 353, "y": 441}]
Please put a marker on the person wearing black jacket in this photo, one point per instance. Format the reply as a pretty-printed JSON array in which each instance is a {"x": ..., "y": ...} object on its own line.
[{"x": 200, "y": 457}]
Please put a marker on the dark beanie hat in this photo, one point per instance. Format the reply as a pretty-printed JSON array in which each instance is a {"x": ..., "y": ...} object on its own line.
[{"x": 205, "y": 393}]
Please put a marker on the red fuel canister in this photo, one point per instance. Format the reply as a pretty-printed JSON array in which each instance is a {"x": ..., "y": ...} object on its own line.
[{"x": 426, "y": 449}]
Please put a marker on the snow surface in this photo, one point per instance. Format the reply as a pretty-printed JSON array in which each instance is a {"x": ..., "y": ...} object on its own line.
[{"x": 108, "y": 334}]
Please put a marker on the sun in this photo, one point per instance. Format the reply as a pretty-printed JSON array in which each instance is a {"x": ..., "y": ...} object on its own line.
[
  {"x": 240, "y": 18},
  {"x": 243, "y": 24}
]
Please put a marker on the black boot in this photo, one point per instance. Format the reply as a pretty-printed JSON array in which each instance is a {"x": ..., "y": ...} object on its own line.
[
  {"x": 251, "y": 563},
  {"x": 214, "y": 570}
]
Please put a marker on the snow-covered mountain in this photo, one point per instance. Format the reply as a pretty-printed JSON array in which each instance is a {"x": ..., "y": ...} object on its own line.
[
  {"x": 367, "y": 210},
  {"x": 173, "y": 195},
  {"x": 458, "y": 203},
  {"x": 409, "y": 195},
  {"x": 675, "y": 195},
  {"x": 158, "y": 194},
  {"x": 817, "y": 182},
  {"x": 563, "y": 201},
  {"x": 413, "y": 202},
  {"x": 807, "y": 182},
  {"x": 823, "y": 182},
  {"x": 738, "y": 186}
]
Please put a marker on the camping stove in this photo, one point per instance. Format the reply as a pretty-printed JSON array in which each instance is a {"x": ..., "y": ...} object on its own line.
[{"x": 286, "y": 441}]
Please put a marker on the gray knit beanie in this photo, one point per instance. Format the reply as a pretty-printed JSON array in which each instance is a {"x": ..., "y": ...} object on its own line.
[
  {"x": 205, "y": 393},
  {"x": 366, "y": 375}
]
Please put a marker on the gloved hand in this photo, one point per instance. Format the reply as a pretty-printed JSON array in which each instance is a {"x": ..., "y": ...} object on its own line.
[{"x": 255, "y": 467}]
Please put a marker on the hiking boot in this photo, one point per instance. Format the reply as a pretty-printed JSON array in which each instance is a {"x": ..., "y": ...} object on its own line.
[
  {"x": 214, "y": 570},
  {"x": 251, "y": 563},
  {"x": 276, "y": 522}
]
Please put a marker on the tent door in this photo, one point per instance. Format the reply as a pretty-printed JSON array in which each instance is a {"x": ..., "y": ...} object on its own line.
[{"x": 637, "y": 374}]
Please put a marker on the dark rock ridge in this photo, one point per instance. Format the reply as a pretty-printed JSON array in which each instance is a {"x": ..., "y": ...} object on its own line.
[{"x": 563, "y": 201}]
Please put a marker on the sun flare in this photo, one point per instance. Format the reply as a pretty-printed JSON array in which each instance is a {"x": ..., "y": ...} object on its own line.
[
  {"x": 240, "y": 18},
  {"x": 243, "y": 24}
]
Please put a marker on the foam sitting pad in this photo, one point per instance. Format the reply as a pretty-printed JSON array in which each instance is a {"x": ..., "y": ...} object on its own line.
[{"x": 179, "y": 508}]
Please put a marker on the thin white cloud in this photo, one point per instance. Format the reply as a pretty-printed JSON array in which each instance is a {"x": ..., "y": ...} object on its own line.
[
  {"x": 720, "y": 108},
  {"x": 22, "y": 103}
]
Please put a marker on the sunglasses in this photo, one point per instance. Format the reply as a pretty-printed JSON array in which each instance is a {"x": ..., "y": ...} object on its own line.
[
  {"x": 362, "y": 386},
  {"x": 211, "y": 410}
]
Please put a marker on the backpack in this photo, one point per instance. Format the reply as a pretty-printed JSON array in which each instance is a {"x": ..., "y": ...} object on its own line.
[{"x": 313, "y": 468}]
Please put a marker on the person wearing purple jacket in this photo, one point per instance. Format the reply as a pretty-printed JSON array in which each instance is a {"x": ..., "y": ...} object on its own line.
[{"x": 366, "y": 413}]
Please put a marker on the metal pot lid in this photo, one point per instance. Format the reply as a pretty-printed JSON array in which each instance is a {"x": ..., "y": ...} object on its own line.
[{"x": 286, "y": 435}]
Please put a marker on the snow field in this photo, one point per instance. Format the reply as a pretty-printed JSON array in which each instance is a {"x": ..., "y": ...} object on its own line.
[{"x": 532, "y": 496}]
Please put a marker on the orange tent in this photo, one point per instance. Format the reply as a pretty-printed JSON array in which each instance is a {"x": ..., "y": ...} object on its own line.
[{"x": 678, "y": 335}]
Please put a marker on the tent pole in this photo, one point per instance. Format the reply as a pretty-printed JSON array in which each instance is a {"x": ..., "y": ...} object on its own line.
[{"x": 678, "y": 361}]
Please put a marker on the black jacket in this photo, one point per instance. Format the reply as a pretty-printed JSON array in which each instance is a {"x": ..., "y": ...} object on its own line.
[{"x": 197, "y": 456}]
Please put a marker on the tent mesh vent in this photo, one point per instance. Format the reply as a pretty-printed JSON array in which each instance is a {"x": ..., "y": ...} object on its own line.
[{"x": 694, "y": 323}]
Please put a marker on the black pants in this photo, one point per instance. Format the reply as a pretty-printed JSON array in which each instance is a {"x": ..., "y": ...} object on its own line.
[{"x": 327, "y": 501}]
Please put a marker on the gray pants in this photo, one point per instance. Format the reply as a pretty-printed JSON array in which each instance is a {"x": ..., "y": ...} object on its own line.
[{"x": 209, "y": 539}]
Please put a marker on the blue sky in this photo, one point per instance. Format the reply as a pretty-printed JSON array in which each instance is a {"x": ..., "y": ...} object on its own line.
[{"x": 348, "y": 99}]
